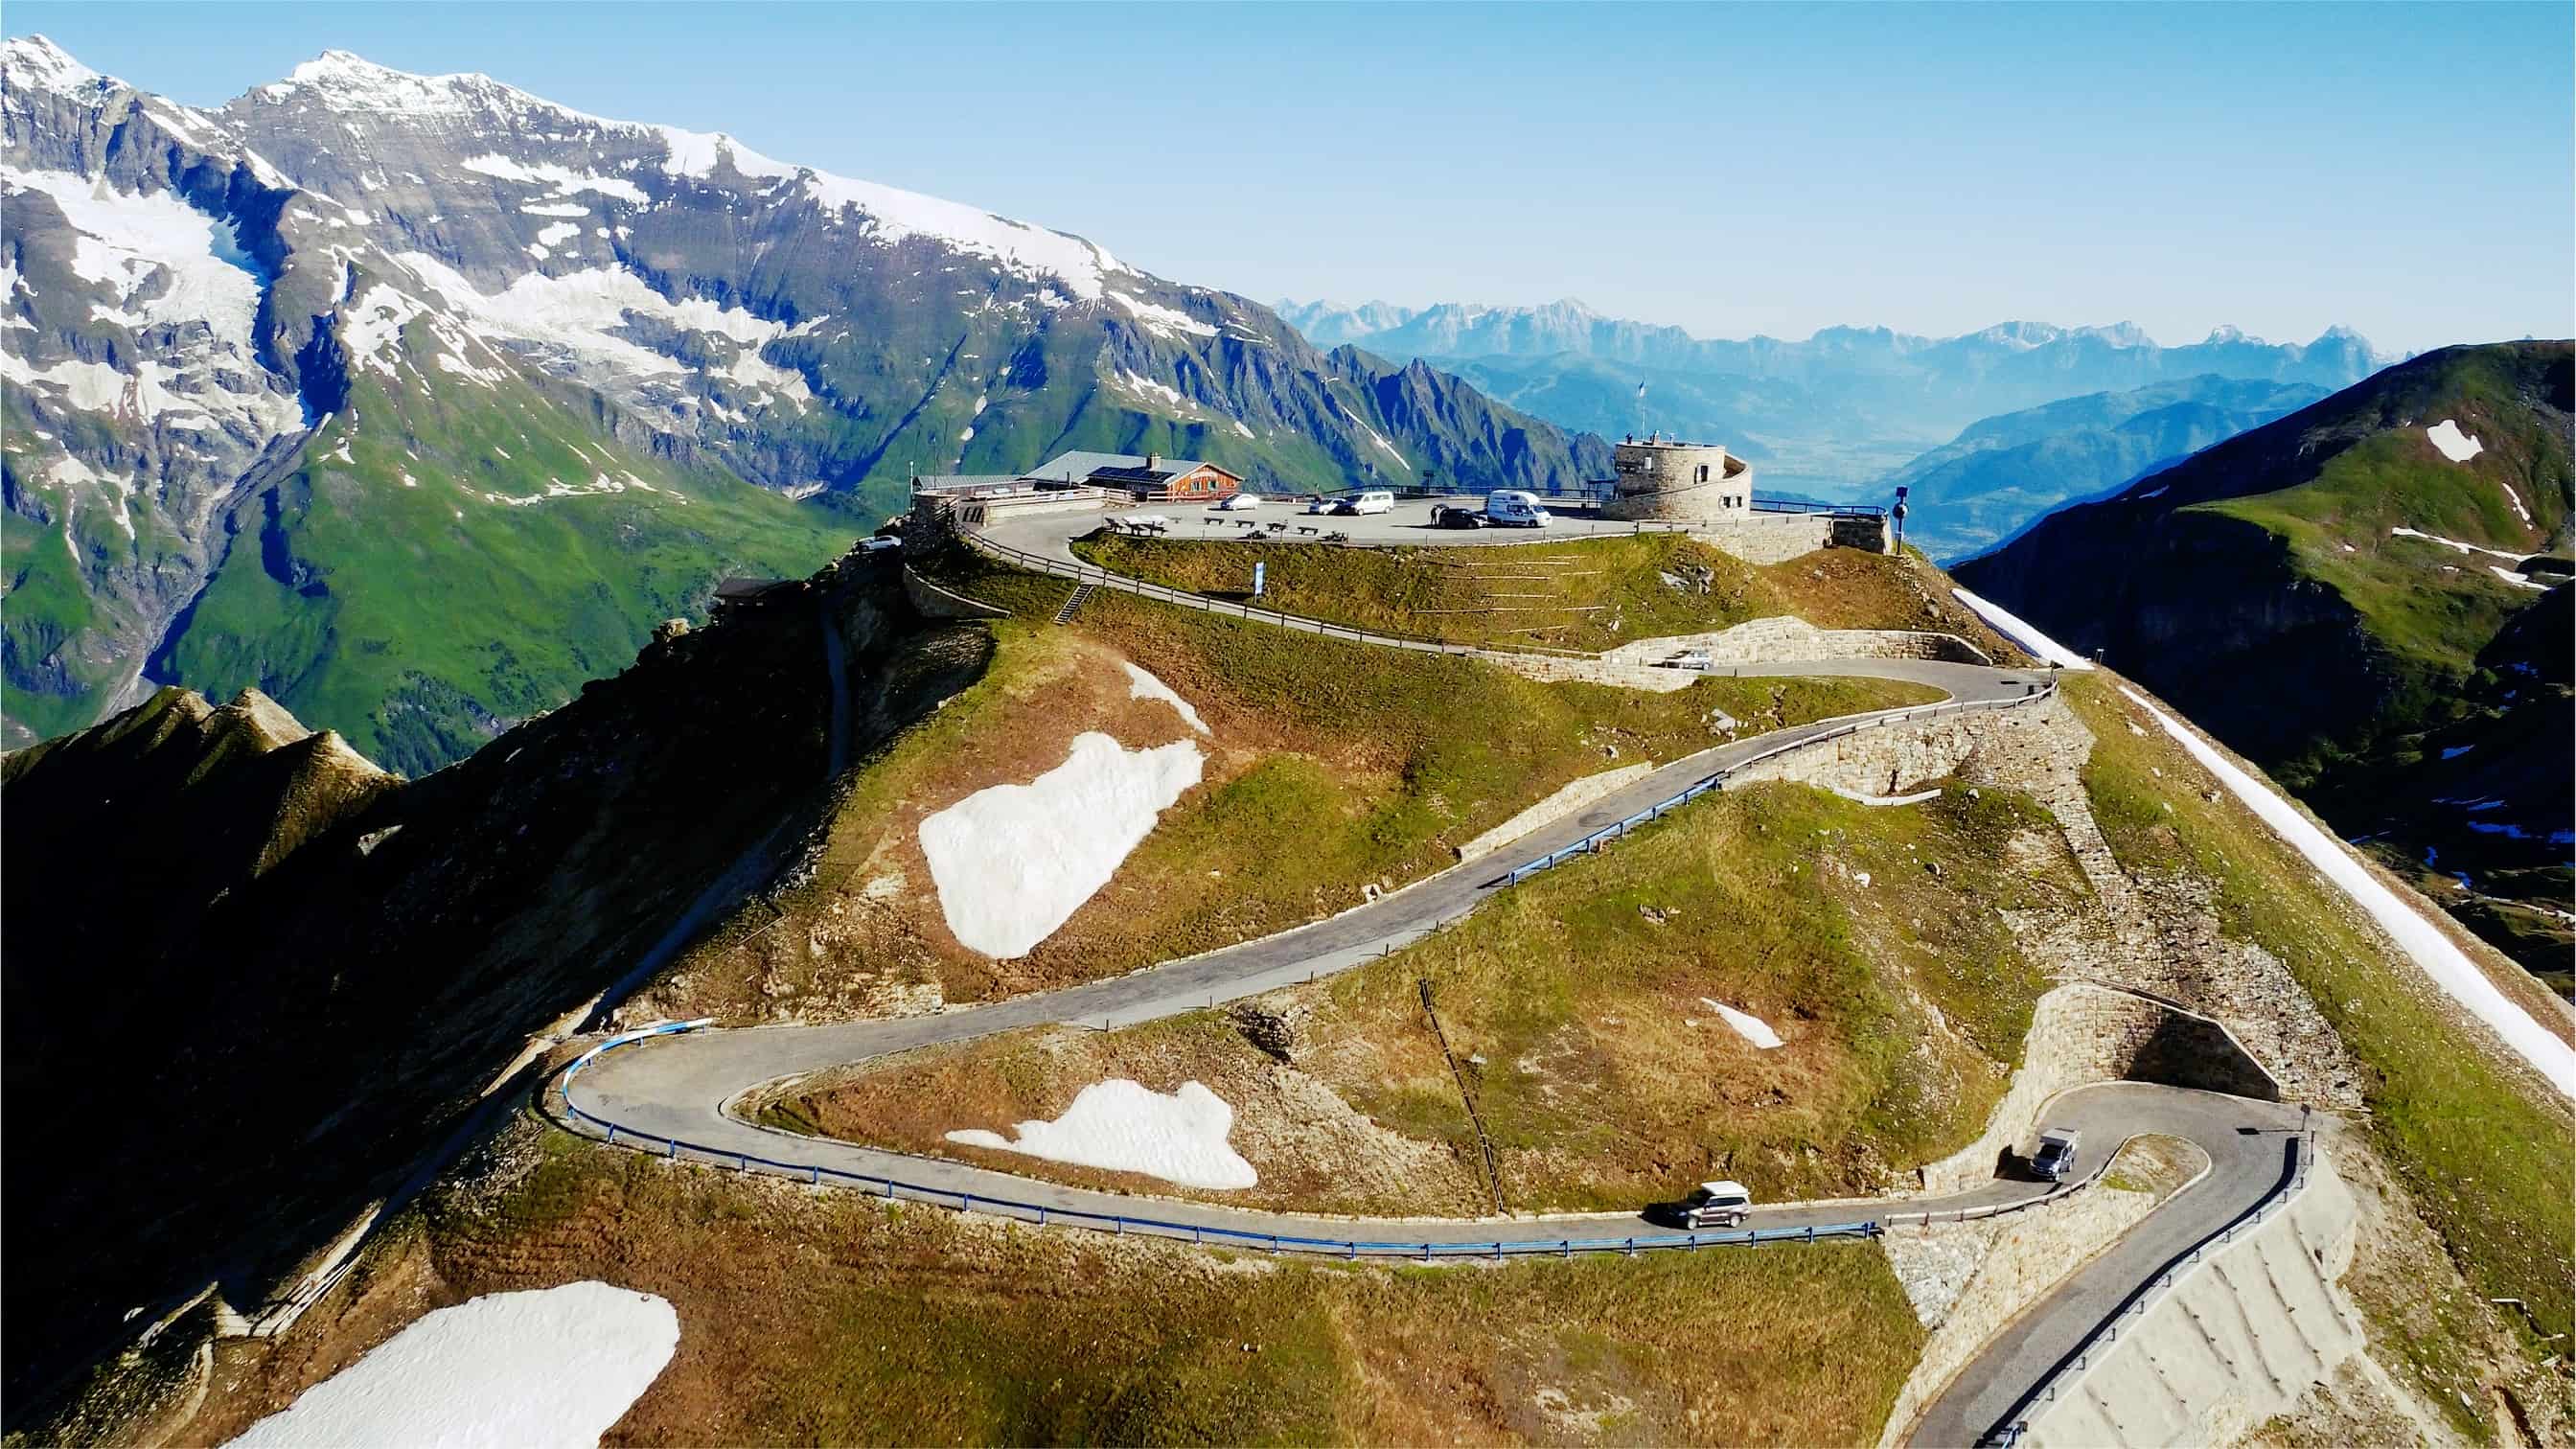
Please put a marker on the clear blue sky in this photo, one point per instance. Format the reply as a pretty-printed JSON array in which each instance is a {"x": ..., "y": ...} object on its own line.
[{"x": 1770, "y": 168}]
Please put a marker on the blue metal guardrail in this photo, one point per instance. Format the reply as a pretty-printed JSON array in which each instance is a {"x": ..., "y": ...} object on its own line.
[
  {"x": 1717, "y": 781},
  {"x": 2097, "y": 1345},
  {"x": 895, "y": 1189}
]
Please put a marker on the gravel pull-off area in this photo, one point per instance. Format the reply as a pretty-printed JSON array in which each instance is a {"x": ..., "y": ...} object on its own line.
[{"x": 558, "y": 1366}]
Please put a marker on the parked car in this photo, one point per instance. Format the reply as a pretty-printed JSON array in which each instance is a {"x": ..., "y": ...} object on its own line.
[
  {"x": 1688, "y": 659},
  {"x": 1717, "y": 1205},
  {"x": 1445, "y": 516},
  {"x": 1376, "y": 500},
  {"x": 1236, "y": 502},
  {"x": 1318, "y": 503},
  {"x": 1516, "y": 508},
  {"x": 2056, "y": 1155}
]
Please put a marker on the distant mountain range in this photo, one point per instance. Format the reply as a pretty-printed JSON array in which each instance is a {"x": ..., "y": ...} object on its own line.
[
  {"x": 2369, "y": 598},
  {"x": 414, "y": 401},
  {"x": 1833, "y": 414},
  {"x": 2002, "y": 472}
]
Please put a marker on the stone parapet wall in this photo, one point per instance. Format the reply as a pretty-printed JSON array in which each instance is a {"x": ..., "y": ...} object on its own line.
[{"x": 1770, "y": 538}]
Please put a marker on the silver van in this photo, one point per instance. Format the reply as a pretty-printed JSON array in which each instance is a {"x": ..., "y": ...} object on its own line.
[{"x": 1376, "y": 500}]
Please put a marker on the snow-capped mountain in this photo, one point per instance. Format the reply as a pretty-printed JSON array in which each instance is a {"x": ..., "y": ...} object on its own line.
[
  {"x": 281, "y": 373},
  {"x": 2118, "y": 355}
]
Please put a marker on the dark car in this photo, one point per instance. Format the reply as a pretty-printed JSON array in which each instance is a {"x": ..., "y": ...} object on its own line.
[{"x": 1445, "y": 516}]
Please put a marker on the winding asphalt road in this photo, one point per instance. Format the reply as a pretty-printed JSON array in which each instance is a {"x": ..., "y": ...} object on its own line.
[{"x": 686, "y": 1086}]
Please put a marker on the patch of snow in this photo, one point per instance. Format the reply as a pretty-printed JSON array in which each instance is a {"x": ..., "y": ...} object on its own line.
[
  {"x": 2441, "y": 960},
  {"x": 2453, "y": 543},
  {"x": 555, "y": 234},
  {"x": 2515, "y": 499},
  {"x": 2159, "y": 492},
  {"x": 562, "y": 180},
  {"x": 134, "y": 240},
  {"x": 1013, "y": 862},
  {"x": 2457, "y": 446},
  {"x": 1748, "y": 1026},
  {"x": 371, "y": 328},
  {"x": 1162, "y": 321},
  {"x": 1143, "y": 685},
  {"x": 556, "y": 208},
  {"x": 2517, "y": 580},
  {"x": 1156, "y": 391},
  {"x": 1120, "y": 1126},
  {"x": 557, "y": 1366},
  {"x": 579, "y": 312},
  {"x": 2013, "y": 627}
]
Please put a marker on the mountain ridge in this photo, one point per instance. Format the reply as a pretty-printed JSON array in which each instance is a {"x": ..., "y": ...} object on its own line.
[{"x": 309, "y": 306}]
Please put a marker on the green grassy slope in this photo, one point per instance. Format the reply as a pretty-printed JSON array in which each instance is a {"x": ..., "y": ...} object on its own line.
[{"x": 418, "y": 617}]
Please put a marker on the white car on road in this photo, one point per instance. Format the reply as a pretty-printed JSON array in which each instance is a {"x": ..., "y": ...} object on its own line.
[
  {"x": 1235, "y": 502},
  {"x": 1717, "y": 1205}
]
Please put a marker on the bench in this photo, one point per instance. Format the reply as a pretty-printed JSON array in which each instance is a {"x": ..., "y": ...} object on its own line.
[{"x": 1308, "y": 529}]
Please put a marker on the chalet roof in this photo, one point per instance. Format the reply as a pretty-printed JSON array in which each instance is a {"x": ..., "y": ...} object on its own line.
[{"x": 1120, "y": 468}]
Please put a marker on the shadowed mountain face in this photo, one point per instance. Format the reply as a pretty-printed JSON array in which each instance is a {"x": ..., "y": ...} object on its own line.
[
  {"x": 2359, "y": 596},
  {"x": 413, "y": 401},
  {"x": 315, "y": 971}
]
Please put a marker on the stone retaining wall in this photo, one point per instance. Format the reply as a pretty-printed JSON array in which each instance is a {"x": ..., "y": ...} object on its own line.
[
  {"x": 1573, "y": 797},
  {"x": 2081, "y": 1033},
  {"x": 2243, "y": 1336},
  {"x": 2013, "y": 1262},
  {"x": 1788, "y": 637},
  {"x": 1769, "y": 538}
]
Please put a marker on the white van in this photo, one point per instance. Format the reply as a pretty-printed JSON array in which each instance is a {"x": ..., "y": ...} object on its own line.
[
  {"x": 1514, "y": 508},
  {"x": 1377, "y": 500}
]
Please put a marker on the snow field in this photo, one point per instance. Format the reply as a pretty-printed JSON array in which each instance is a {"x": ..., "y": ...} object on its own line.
[
  {"x": 2014, "y": 628},
  {"x": 1142, "y": 685},
  {"x": 127, "y": 239},
  {"x": 1014, "y": 862},
  {"x": 1748, "y": 1026},
  {"x": 1121, "y": 1126},
  {"x": 2457, "y": 446},
  {"x": 557, "y": 1366},
  {"x": 2448, "y": 966}
]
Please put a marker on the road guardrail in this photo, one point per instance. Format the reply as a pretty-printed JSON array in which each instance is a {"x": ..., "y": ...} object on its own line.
[{"x": 895, "y": 1189}]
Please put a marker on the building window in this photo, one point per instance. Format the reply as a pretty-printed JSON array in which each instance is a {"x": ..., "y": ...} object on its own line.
[{"x": 1703, "y": 472}]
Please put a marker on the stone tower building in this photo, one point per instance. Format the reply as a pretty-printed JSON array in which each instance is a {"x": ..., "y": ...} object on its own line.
[{"x": 1672, "y": 482}]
